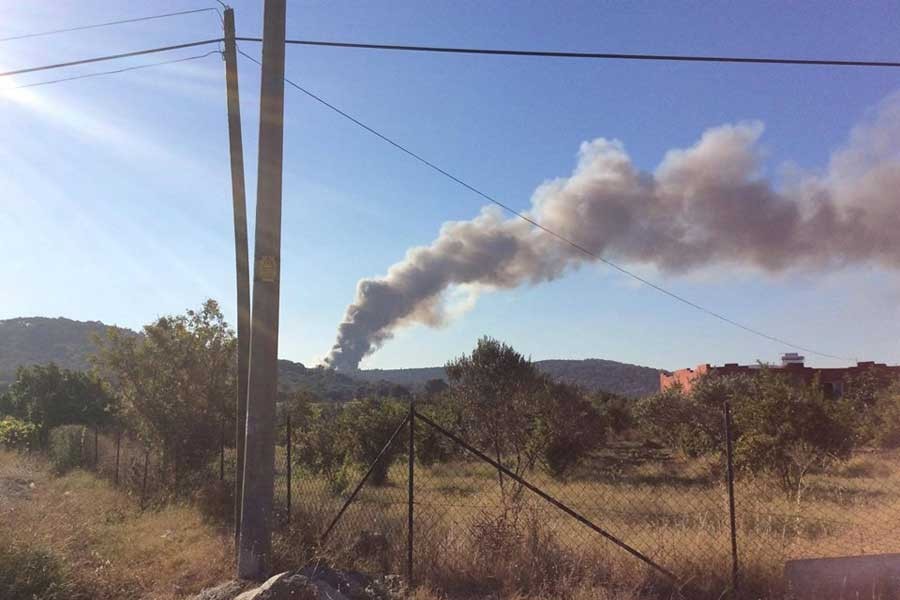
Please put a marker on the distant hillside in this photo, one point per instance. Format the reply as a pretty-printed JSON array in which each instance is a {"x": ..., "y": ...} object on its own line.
[
  {"x": 593, "y": 374},
  {"x": 39, "y": 340},
  {"x": 337, "y": 386},
  {"x": 607, "y": 375}
]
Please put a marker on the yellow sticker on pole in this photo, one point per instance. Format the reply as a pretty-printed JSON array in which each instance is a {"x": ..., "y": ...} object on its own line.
[{"x": 267, "y": 269}]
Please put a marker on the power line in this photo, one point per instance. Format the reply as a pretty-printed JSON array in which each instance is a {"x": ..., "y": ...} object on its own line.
[
  {"x": 107, "y": 24},
  {"x": 549, "y": 231},
  {"x": 102, "y": 73},
  {"x": 111, "y": 57},
  {"x": 593, "y": 55}
]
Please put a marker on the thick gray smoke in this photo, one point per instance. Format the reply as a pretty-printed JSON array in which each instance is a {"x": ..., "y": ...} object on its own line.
[{"x": 705, "y": 205}]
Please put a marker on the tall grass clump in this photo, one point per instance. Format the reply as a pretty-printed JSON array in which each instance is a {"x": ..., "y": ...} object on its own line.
[
  {"x": 31, "y": 574},
  {"x": 65, "y": 448}
]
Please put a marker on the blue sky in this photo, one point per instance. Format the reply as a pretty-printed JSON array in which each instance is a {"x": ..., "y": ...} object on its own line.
[{"x": 115, "y": 194}]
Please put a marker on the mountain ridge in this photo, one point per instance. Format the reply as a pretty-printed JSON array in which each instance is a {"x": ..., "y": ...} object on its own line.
[{"x": 38, "y": 340}]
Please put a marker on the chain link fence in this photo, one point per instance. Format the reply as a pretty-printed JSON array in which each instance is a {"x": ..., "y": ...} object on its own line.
[
  {"x": 463, "y": 519},
  {"x": 630, "y": 513}
]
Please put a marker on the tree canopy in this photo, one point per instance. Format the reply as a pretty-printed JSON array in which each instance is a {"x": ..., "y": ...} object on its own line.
[{"x": 176, "y": 382}]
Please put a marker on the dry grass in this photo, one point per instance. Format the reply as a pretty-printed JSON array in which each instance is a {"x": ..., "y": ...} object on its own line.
[
  {"x": 671, "y": 509},
  {"x": 110, "y": 549},
  {"x": 466, "y": 545}
]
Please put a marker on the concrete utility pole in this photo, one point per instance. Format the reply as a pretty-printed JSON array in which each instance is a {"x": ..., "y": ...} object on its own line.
[
  {"x": 239, "y": 199},
  {"x": 254, "y": 555}
]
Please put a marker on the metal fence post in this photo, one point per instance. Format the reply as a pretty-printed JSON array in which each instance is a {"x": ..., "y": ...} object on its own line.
[
  {"x": 118, "y": 445},
  {"x": 411, "y": 492},
  {"x": 81, "y": 446},
  {"x": 222, "y": 448},
  {"x": 288, "y": 433},
  {"x": 96, "y": 451},
  {"x": 144, "y": 484},
  {"x": 729, "y": 455}
]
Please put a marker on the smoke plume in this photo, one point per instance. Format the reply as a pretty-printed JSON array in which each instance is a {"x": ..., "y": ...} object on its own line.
[{"x": 705, "y": 205}]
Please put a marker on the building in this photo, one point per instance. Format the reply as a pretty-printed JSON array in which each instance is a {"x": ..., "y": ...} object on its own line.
[{"x": 834, "y": 381}]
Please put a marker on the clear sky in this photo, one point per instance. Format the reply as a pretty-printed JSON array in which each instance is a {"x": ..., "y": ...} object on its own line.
[{"x": 115, "y": 197}]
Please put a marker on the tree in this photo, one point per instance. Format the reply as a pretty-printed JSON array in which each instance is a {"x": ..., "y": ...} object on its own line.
[
  {"x": 690, "y": 423},
  {"x": 48, "y": 397},
  {"x": 569, "y": 427},
  {"x": 666, "y": 418},
  {"x": 176, "y": 382},
  {"x": 518, "y": 415},
  {"x": 883, "y": 428},
  {"x": 435, "y": 387},
  {"x": 615, "y": 410},
  {"x": 318, "y": 444},
  {"x": 366, "y": 426},
  {"x": 788, "y": 428},
  {"x": 873, "y": 396},
  {"x": 497, "y": 390}
]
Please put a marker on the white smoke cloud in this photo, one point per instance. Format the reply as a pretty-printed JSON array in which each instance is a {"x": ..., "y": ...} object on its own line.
[{"x": 705, "y": 205}]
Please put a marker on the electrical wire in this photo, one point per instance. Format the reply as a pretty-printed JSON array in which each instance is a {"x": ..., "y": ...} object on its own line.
[
  {"x": 549, "y": 231},
  {"x": 111, "y": 57},
  {"x": 107, "y": 24},
  {"x": 102, "y": 73},
  {"x": 591, "y": 55}
]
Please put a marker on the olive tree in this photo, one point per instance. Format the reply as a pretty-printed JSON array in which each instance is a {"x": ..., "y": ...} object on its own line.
[{"x": 511, "y": 411}]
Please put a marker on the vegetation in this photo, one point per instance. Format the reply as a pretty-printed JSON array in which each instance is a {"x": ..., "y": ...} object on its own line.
[
  {"x": 66, "y": 448},
  {"x": 40, "y": 341},
  {"x": 16, "y": 434},
  {"x": 650, "y": 472},
  {"x": 75, "y": 537},
  {"x": 27, "y": 573},
  {"x": 71, "y": 344},
  {"x": 176, "y": 384},
  {"x": 47, "y": 397}
]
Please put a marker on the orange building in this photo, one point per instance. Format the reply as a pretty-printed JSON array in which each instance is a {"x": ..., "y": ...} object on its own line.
[{"x": 834, "y": 381}]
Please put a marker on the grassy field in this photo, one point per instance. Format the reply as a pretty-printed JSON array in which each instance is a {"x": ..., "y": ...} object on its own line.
[
  {"x": 469, "y": 539},
  {"x": 103, "y": 545}
]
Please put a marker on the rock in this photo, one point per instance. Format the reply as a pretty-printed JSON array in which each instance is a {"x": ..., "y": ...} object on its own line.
[
  {"x": 293, "y": 586},
  {"x": 315, "y": 582},
  {"x": 227, "y": 591},
  {"x": 353, "y": 584}
]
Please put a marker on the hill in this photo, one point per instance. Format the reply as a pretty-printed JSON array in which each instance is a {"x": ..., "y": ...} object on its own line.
[
  {"x": 40, "y": 340},
  {"x": 592, "y": 374},
  {"x": 68, "y": 343}
]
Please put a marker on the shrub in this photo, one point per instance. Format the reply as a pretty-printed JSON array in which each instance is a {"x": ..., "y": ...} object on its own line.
[
  {"x": 317, "y": 445},
  {"x": 66, "y": 447},
  {"x": 48, "y": 397},
  {"x": 16, "y": 434},
  {"x": 568, "y": 428},
  {"x": 884, "y": 426},
  {"x": 215, "y": 501},
  {"x": 366, "y": 427},
  {"x": 789, "y": 429},
  {"x": 432, "y": 447},
  {"x": 674, "y": 420},
  {"x": 30, "y": 574}
]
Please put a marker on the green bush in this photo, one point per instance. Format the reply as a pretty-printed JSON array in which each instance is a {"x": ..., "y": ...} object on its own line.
[
  {"x": 367, "y": 425},
  {"x": 30, "y": 574},
  {"x": 882, "y": 428},
  {"x": 66, "y": 447},
  {"x": 16, "y": 434},
  {"x": 789, "y": 429},
  {"x": 567, "y": 430},
  {"x": 676, "y": 421}
]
